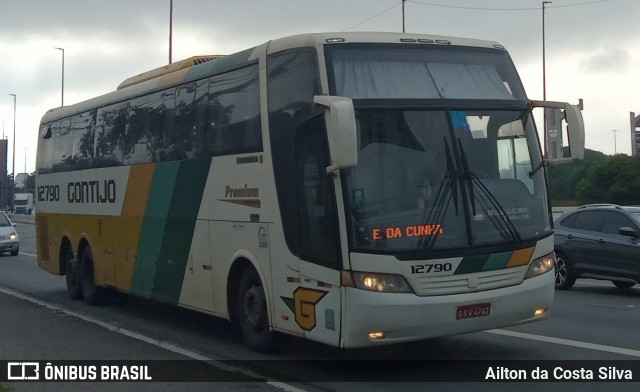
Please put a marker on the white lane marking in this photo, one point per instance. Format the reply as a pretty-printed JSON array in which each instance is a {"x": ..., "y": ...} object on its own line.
[
  {"x": 28, "y": 254},
  {"x": 566, "y": 342},
  {"x": 164, "y": 345}
]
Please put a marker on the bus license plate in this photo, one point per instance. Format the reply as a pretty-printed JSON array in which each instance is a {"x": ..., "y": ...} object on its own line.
[{"x": 472, "y": 311}]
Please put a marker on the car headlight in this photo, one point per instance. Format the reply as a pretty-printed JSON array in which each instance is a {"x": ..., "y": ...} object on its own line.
[
  {"x": 541, "y": 265},
  {"x": 386, "y": 283},
  {"x": 11, "y": 237}
]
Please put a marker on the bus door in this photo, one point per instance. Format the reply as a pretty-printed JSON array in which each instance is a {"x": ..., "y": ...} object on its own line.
[{"x": 317, "y": 300}]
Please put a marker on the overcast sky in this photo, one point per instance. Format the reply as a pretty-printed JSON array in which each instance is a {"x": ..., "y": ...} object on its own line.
[{"x": 592, "y": 47}]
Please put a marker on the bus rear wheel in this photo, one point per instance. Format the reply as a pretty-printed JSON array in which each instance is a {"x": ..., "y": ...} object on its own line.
[
  {"x": 252, "y": 313},
  {"x": 72, "y": 275},
  {"x": 90, "y": 292}
]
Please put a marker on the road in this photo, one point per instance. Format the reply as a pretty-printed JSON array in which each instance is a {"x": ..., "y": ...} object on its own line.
[{"x": 593, "y": 321}]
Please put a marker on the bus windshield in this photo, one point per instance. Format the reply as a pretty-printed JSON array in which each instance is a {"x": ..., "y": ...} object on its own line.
[{"x": 450, "y": 161}]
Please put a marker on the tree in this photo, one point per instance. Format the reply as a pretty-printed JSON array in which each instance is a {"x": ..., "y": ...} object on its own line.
[
  {"x": 563, "y": 179},
  {"x": 615, "y": 179}
]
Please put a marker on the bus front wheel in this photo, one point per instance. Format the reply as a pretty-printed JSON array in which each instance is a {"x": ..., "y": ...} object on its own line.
[{"x": 252, "y": 312}]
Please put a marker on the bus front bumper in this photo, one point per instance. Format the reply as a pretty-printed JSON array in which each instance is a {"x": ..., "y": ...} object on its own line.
[{"x": 396, "y": 318}]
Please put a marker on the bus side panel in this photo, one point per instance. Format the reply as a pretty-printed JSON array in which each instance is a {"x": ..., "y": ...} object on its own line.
[
  {"x": 93, "y": 229},
  {"x": 168, "y": 228},
  {"x": 231, "y": 241},
  {"x": 44, "y": 243},
  {"x": 197, "y": 284}
]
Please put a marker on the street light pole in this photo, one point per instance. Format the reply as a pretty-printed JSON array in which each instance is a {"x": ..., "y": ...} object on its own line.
[
  {"x": 403, "y": 1},
  {"x": 615, "y": 147},
  {"x": 170, "y": 29},
  {"x": 62, "y": 100},
  {"x": 13, "y": 164}
]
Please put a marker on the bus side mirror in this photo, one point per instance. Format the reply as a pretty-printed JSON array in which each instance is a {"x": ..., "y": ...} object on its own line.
[
  {"x": 340, "y": 119},
  {"x": 575, "y": 127}
]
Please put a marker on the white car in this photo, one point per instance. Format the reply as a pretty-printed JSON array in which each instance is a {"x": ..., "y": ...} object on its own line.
[{"x": 9, "y": 241}]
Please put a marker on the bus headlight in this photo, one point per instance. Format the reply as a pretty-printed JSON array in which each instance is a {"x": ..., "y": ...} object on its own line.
[
  {"x": 387, "y": 283},
  {"x": 541, "y": 265}
]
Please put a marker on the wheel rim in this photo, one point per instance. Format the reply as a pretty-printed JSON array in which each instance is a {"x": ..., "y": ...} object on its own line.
[{"x": 561, "y": 271}]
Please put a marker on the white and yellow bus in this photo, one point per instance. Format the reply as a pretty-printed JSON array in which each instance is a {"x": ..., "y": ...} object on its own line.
[{"x": 354, "y": 189}]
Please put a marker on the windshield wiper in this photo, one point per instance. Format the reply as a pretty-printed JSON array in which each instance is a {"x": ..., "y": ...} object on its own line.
[
  {"x": 447, "y": 191},
  {"x": 452, "y": 175},
  {"x": 472, "y": 179}
]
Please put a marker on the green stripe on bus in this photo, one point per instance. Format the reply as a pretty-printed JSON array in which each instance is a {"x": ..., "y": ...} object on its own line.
[
  {"x": 178, "y": 234},
  {"x": 167, "y": 228},
  {"x": 471, "y": 264},
  {"x": 490, "y": 262},
  {"x": 497, "y": 261},
  {"x": 153, "y": 227}
]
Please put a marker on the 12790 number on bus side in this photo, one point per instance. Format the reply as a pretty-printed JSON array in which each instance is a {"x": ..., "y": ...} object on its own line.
[{"x": 49, "y": 193}]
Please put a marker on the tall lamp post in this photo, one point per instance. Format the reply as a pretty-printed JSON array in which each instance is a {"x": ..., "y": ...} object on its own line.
[
  {"x": 13, "y": 157},
  {"x": 170, "y": 29},
  {"x": 615, "y": 147},
  {"x": 62, "y": 99},
  {"x": 403, "y": 1},
  {"x": 544, "y": 78}
]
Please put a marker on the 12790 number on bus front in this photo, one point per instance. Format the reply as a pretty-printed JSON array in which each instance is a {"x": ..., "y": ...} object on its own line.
[{"x": 431, "y": 268}]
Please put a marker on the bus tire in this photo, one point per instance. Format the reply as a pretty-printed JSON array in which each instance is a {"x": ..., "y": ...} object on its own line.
[
  {"x": 72, "y": 274},
  {"x": 253, "y": 317},
  {"x": 90, "y": 292}
]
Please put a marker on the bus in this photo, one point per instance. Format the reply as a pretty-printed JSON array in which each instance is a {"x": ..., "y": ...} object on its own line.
[{"x": 354, "y": 189}]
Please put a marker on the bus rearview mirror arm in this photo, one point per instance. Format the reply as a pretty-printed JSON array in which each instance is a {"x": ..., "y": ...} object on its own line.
[{"x": 340, "y": 120}]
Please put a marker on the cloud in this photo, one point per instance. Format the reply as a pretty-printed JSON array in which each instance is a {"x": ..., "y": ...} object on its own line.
[{"x": 608, "y": 60}]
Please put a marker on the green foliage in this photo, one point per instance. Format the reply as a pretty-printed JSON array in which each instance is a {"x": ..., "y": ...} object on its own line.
[
  {"x": 598, "y": 178},
  {"x": 563, "y": 178},
  {"x": 615, "y": 179}
]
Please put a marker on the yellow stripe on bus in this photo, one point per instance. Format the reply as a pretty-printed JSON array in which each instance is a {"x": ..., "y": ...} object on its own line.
[
  {"x": 520, "y": 257},
  {"x": 129, "y": 224}
]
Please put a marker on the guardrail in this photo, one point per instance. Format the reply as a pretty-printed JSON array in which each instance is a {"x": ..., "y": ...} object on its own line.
[{"x": 21, "y": 218}]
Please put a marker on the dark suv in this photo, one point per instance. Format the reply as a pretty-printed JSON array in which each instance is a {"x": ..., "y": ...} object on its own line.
[{"x": 598, "y": 241}]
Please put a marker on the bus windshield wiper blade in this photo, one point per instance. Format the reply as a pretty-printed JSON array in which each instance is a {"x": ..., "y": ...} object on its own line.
[
  {"x": 452, "y": 174},
  {"x": 472, "y": 179},
  {"x": 446, "y": 191},
  {"x": 468, "y": 178}
]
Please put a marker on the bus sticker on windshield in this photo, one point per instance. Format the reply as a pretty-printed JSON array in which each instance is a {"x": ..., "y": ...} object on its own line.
[{"x": 408, "y": 231}]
